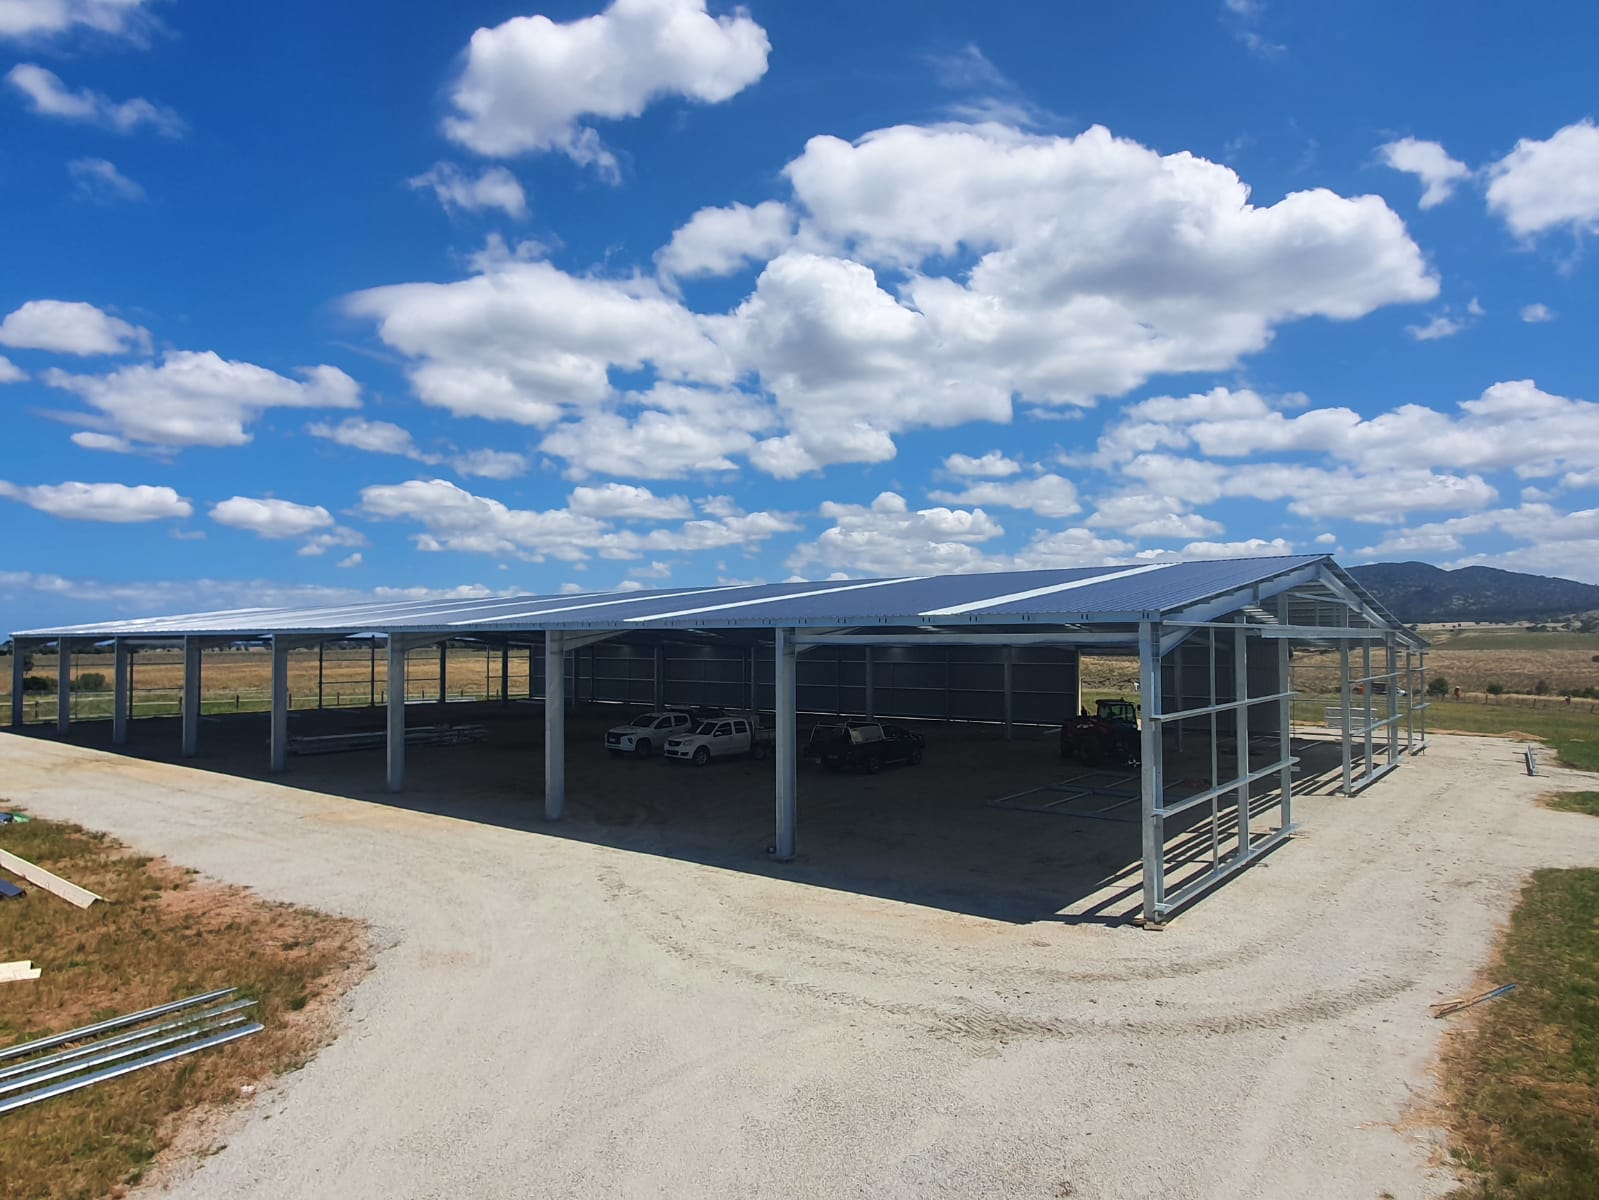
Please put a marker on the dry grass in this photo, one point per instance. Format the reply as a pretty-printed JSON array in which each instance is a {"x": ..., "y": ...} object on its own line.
[
  {"x": 1523, "y": 1085},
  {"x": 161, "y": 935}
]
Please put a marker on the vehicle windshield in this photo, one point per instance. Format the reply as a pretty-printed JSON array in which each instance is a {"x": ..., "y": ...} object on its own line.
[
  {"x": 642, "y": 720},
  {"x": 706, "y": 728}
]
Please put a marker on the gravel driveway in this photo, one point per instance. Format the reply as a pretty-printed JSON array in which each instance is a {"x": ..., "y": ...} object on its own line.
[{"x": 558, "y": 1016}]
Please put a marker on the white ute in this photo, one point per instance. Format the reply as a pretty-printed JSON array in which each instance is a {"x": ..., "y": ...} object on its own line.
[
  {"x": 647, "y": 733},
  {"x": 721, "y": 737}
]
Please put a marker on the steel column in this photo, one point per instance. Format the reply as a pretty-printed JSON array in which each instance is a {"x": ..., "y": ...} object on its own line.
[
  {"x": 554, "y": 726},
  {"x": 320, "y": 647},
  {"x": 372, "y": 673},
  {"x": 1241, "y": 729},
  {"x": 1285, "y": 721},
  {"x": 871, "y": 696},
  {"x": 191, "y": 697},
  {"x": 1154, "y": 825},
  {"x": 279, "y": 736},
  {"x": 122, "y": 677},
  {"x": 19, "y": 676},
  {"x": 1349, "y": 749},
  {"x": 444, "y": 667},
  {"x": 63, "y": 685},
  {"x": 1365, "y": 670},
  {"x": 1391, "y": 669},
  {"x": 787, "y": 756},
  {"x": 660, "y": 676},
  {"x": 505, "y": 673},
  {"x": 395, "y": 715},
  {"x": 1182, "y": 697}
]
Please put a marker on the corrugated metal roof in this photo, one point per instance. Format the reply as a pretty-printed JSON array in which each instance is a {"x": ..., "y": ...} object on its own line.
[{"x": 1076, "y": 595}]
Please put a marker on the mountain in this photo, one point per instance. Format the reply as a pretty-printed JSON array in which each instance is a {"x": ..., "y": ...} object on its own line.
[{"x": 1416, "y": 592}]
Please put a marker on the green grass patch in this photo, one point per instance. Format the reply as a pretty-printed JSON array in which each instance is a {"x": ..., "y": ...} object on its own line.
[
  {"x": 1519, "y": 640},
  {"x": 160, "y": 936},
  {"x": 1573, "y": 732},
  {"x": 1523, "y": 1085},
  {"x": 1579, "y": 802}
]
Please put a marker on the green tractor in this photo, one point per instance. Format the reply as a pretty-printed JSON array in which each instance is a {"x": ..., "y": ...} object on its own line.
[{"x": 1107, "y": 738}]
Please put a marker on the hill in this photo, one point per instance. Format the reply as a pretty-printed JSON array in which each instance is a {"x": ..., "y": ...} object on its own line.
[{"x": 1415, "y": 592}]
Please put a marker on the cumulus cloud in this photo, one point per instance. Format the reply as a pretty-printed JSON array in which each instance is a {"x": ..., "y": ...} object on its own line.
[
  {"x": 457, "y": 191},
  {"x": 197, "y": 398},
  {"x": 1440, "y": 326},
  {"x": 1046, "y": 495},
  {"x": 47, "y": 96},
  {"x": 1544, "y": 185},
  {"x": 720, "y": 241},
  {"x": 1089, "y": 264},
  {"x": 271, "y": 518},
  {"x": 98, "y": 180},
  {"x": 10, "y": 372},
  {"x": 455, "y": 519},
  {"x": 1537, "y": 314},
  {"x": 385, "y": 437},
  {"x": 887, "y": 537},
  {"x": 992, "y": 465},
  {"x": 33, "y": 19},
  {"x": 1428, "y": 162},
  {"x": 531, "y": 84},
  {"x": 629, "y": 502},
  {"x": 70, "y": 327},
  {"x": 114, "y": 502}
]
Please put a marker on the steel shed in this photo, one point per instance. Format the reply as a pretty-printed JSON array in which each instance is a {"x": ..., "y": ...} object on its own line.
[{"x": 1213, "y": 640}]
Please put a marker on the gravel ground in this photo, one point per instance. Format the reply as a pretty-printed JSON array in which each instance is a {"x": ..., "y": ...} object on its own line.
[{"x": 567, "y": 1016}]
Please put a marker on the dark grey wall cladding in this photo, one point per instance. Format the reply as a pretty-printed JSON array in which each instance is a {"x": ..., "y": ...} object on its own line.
[{"x": 947, "y": 683}]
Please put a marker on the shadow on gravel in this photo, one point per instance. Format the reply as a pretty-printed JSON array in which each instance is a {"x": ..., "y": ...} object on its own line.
[{"x": 925, "y": 835}]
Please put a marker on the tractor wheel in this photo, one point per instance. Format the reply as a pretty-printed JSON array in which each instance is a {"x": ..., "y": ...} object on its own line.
[{"x": 1091, "y": 750}]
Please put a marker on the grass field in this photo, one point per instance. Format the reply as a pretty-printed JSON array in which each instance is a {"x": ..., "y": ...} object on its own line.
[
  {"x": 1523, "y": 1086},
  {"x": 159, "y": 936},
  {"x": 1579, "y": 802}
]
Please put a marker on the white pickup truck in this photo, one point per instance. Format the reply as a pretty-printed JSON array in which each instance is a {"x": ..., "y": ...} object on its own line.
[
  {"x": 647, "y": 733},
  {"x": 721, "y": 737}
]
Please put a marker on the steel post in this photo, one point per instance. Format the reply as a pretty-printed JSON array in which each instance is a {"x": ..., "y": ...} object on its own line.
[
  {"x": 505, "y": 673},
  {"x": 1285, "y": 720},
  {"x": 1349, "y": 749},
  {"x": 279, "y": 737},
  {"x": 320, "y": 657},
  {"x": 19, "y": 676},
  {"x": 554, "y": 726},
  {"x": 787, "y": 756},
  {"x": 1150, "y": 786},
  {"x": 63, "y": 685},
  {"x": 871, "y": 696},
  {"x": 1241, "y": 729},
  {"x": 660, "y": 676},
  {"x": 122, "y": 677},
  {"x": 1390, "y": 668},
  {"x": 396, "y": 714},
  {"x": 191, "y": 697},
  {"x": 444, "y": 668},
  {"x": 1365, "y": 670}
]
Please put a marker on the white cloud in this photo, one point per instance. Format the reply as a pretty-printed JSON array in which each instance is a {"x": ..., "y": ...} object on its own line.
[
  {"x": 1537, "y": 314},
  {"x": 530, "y": 83},
  {"x": 385, "y": 437},
  {"x": 98, "y": 180},
  {"x": 624, "y": 501},
  {"x": 1249, "y": 548},
  {"x": 1441, "y": 326},
  {"x": 1150, "y": 514},
  {"x": 49, "y": 97},
  {"x": 114, "y": 502},
  {"x": 455, "y": 519},
  {"x": 197, "y": 398},
  {"x": 1428, "y": 162},
  {"x": 667, "y": 433},
  {"x": 1545, "y": 185},
  {"x": 489, "y": 464},
  {"x": 1046, "y": 495},
  {"x": 888, "y": 538},
  {"x": 353, "y": 560},
  {"x": 1545, "y": 540},
  {"x": 992, "y": 465},
  {"x": 30, "y": 19},
  {"x": 522, "y": 340},
  {"x": 10, "y": 372},
  {"x": 1326, "y": 539},
  {"x": 493, "y": 187},
  {"x": 271, "y": 518},
  {"x": 720, "y": 241},
  {"x": 70, "y": 327}
]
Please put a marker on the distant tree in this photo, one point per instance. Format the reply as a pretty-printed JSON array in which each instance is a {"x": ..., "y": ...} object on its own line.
[
  {"x": 38, "y": 683},
  {"x": 1541, "y": 688},
  {"x": 89, "y": 681},
  {"x": 1495, "y": 689},
  {"x": 1437, "y": 686}
]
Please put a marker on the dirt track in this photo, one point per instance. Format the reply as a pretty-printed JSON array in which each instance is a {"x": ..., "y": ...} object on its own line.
[{"x": 608, "y": 1014}]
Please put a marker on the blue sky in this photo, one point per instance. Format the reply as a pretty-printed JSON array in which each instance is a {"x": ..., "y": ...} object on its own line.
[{"x": 302, "y": 302}]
